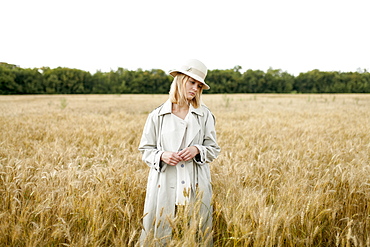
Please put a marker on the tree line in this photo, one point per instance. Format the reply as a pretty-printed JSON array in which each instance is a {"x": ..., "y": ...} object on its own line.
[{"x": 16, "y": 80}]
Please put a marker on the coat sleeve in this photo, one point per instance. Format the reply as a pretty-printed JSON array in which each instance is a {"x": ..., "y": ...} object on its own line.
[
  {"x": 209, "y": 149},
  {"x": 151, "y": 155}
]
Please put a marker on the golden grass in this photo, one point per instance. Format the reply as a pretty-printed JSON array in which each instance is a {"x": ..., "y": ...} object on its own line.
[{"x": 294, "y": 170}]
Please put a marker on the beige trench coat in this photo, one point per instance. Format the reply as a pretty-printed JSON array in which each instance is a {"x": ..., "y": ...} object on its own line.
[{"x": 158, "y": 136}]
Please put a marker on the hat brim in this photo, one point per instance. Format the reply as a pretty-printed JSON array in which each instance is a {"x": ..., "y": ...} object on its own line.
[{"x": 195, "y": 77}]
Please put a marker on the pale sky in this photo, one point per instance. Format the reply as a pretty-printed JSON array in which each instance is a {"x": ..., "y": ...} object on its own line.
[{"x": 295, "y": 36}]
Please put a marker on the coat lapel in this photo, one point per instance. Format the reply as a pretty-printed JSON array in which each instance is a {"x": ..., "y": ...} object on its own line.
[
  {"x": 193, "y": 125},
  {"x": 166, "y": 108},
  {"x": 173, "y": 129}
]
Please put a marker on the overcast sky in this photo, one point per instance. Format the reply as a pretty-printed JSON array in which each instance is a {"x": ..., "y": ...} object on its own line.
[{"x": 292, "y": 35}]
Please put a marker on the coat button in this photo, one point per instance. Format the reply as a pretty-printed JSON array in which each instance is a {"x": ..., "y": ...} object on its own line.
[
  {"x": 182, "y": 165},
  {"x": 183, "y": 182},
  {"x": 159, "y": 185}
]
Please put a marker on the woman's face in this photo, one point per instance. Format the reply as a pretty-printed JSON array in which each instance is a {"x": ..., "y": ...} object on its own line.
[{"x": 192, "y": 87}]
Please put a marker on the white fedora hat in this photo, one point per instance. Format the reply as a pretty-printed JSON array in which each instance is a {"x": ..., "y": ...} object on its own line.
[{"x": 193, "y": 68}]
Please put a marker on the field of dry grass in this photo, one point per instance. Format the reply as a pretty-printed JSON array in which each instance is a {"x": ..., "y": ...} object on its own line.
[{"x": 294, "y": 170}]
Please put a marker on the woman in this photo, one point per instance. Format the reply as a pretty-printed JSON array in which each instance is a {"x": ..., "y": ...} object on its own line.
[{"x": 178, "y": 142}]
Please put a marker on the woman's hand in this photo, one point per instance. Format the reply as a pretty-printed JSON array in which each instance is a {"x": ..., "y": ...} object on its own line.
[
  {"x": 171, "y": 158},
  {"x": 188, "y": 153}
]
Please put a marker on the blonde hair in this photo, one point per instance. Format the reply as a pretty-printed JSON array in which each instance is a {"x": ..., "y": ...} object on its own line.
[{"x": 177, "y": 92}]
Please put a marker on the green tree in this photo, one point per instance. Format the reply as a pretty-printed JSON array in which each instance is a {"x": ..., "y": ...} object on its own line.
[
  {"x": 253, "y": 81},
  {"x": 160, "y": 81},
  {"x": 29, "y": 80},
  {"x": 98, "y": 83},
  {"x": 66, "y": 81},
  {"x": 7, "y": 79},
  {"x": 16, "y": 80},
  {"x": 224, "y": 81}
]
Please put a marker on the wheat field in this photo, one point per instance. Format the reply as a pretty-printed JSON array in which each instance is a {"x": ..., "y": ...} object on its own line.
[{"x": 293, "y": 170}]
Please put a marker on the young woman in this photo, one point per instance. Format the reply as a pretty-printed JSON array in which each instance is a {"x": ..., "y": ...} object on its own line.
[{"x": 178, "y": 143}]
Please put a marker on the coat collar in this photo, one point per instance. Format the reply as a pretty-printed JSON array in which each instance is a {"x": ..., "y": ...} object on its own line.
[{"x": 167, "y": 109}]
